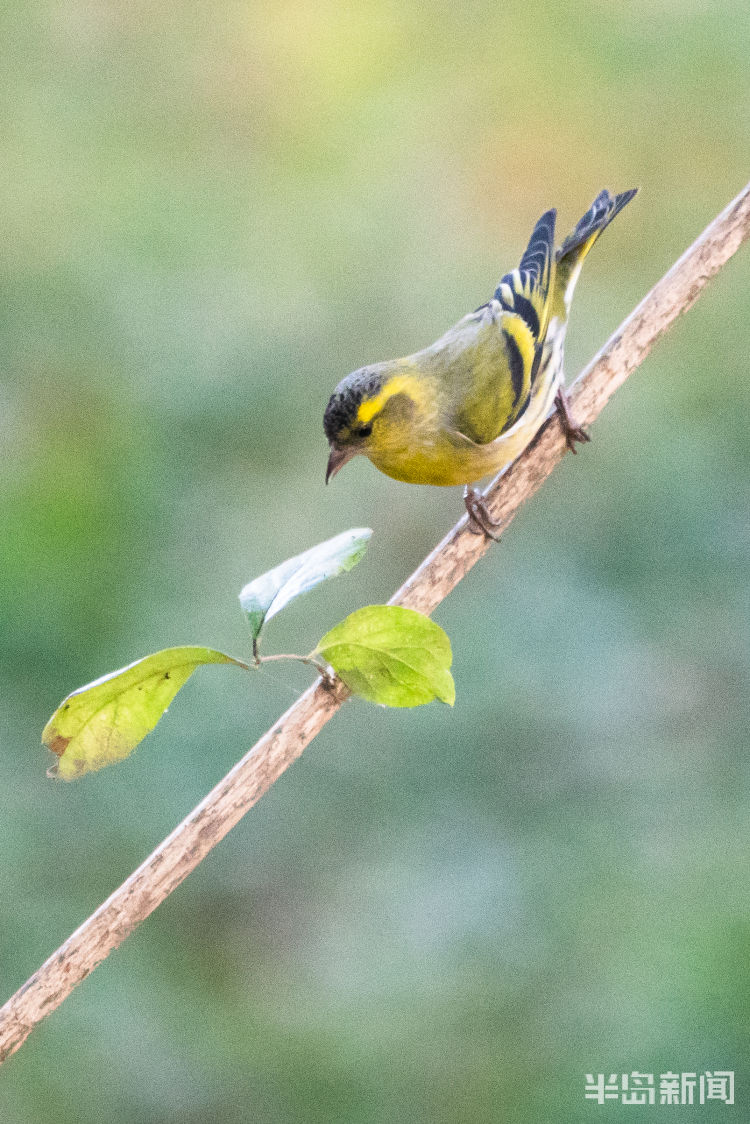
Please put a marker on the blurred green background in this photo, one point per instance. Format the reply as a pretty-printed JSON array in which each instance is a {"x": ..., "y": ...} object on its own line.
[{"x": 211, "y": 213}]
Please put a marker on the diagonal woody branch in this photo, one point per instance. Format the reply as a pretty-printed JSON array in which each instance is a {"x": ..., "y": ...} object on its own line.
[{"x": 254, "y": 774}]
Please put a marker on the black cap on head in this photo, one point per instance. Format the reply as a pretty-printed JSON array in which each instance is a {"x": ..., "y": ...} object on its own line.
[{"x": 341, "y": 411}]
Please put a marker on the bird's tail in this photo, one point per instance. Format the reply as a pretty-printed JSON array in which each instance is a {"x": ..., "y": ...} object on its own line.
[{"x": 578, "y": 243}]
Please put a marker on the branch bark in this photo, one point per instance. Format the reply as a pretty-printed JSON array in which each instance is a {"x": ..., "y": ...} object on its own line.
[{"x": 254, "y": 774}]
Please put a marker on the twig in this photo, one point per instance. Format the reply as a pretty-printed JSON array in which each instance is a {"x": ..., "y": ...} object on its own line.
[{"x": 251, "y": 777}]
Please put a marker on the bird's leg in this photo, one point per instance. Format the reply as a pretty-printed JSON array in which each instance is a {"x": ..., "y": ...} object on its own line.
[
  {"x": 480, "y": 520},
  {"x": 571, "y": 430}
]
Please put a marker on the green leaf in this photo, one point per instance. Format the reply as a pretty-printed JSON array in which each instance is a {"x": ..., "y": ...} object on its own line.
[
  {"x": 105, "y": 720},
  {"x": 270, "y": 593},
  {"x": 391, "y": 655}
]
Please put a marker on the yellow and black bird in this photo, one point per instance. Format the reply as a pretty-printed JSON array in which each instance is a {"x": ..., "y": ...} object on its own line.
[{"x": 469, "y": 403}]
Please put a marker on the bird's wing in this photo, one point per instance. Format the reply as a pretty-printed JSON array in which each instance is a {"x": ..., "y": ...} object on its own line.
[
  {"x": 490, "y": 374},
  {"x": 526, "y": 290},
  {"x": 501, "y": 364}
]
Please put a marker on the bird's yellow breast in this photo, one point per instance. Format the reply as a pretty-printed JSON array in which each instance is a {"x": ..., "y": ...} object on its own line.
[{"x": 446, "y": 458}]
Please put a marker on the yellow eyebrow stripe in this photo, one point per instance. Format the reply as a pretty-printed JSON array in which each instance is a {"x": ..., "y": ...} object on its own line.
[{"x": 399, "y": 384}]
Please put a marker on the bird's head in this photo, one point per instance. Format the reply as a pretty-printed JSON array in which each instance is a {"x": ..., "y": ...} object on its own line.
[
  {"x": 368, "y": 412},
  {"x": 348, "y": 420}
]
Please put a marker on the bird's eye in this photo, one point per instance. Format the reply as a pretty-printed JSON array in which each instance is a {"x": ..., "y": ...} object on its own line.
[{"x": 364, "y": 431}]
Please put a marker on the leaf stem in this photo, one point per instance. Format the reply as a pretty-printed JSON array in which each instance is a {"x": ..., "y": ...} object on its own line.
[{"x": 323, "y": 668}]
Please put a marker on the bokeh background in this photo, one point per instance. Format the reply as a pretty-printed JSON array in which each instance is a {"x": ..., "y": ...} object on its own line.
[{"x": 212, "y": 212}]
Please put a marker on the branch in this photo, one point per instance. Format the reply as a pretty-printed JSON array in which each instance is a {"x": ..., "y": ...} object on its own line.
[{"x": 254, "y": 774}]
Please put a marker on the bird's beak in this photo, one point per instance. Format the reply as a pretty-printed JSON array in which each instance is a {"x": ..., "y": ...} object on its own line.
[{"x": 337, "y": 460}]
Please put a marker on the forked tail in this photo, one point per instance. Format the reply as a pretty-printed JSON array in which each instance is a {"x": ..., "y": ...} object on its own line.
[{"x": 578, "y": 243}]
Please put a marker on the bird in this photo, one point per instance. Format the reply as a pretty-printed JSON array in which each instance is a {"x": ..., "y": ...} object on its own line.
[{"x": 467, "y": 405}]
